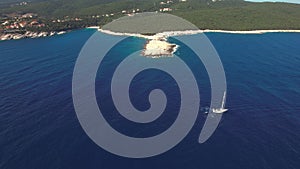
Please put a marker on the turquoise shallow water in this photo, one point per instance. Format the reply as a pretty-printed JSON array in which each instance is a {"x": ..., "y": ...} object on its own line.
[{"x": 39, "y": 127}]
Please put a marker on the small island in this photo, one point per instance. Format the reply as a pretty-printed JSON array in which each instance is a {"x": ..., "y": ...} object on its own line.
[{"x": 156, "y": 48}]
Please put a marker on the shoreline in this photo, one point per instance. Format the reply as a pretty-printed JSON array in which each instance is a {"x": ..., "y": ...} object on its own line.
[
  {"x": 158, "y": 46},
  {"x": 192, "y": 32},
  {"x": 29, "y": 34},
  {"x": 15, "y": 36},
  {"x": 254, "y": 31}
]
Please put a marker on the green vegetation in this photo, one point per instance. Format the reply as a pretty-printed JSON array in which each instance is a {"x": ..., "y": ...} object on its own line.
[
  {"x": 206, "y": 14},
  {"x": 245, "y": 16}
]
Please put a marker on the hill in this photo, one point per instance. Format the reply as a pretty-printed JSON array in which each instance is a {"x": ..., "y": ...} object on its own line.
[{"x": 206, "y": 14}]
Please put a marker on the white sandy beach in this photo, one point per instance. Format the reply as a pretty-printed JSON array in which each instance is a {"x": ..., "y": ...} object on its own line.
[{"x": 191, "y": 32}]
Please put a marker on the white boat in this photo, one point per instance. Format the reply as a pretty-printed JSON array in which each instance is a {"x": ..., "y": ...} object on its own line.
[{"x": 222, "y": 109}]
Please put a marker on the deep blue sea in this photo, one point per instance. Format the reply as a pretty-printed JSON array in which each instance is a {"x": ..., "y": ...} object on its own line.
[{"x": 39, "y": 128}]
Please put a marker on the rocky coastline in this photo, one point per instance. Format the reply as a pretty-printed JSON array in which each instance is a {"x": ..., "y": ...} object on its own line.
[{"x": 28, "y": 34}]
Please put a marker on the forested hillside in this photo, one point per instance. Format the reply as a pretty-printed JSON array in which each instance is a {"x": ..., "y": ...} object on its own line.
[{"x": 206, "y": 14}]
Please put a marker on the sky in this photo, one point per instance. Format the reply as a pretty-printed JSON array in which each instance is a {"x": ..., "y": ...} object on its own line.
[{"x": 291, "y": 1}]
